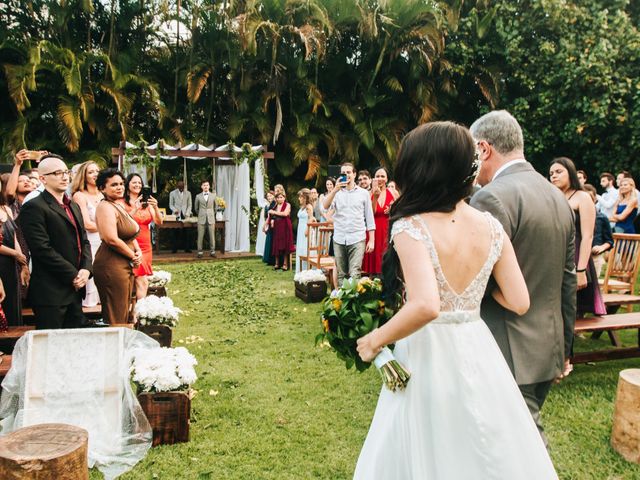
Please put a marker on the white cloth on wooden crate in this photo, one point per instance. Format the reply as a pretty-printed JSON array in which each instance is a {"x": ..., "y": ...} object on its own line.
[{"x": 80, "y": 377}]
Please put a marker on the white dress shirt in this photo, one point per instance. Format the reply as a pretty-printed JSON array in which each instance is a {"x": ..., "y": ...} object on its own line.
[{"x": 353, "y": 216}]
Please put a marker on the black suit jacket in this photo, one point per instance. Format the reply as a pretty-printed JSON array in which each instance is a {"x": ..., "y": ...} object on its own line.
[{"x": 54, "y": 250}]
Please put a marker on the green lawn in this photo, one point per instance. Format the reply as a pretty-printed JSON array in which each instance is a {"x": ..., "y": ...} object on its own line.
[{"x": 272, "y": 405}]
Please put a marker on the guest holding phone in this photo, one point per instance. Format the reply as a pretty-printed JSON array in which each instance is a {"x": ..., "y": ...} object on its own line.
[
  {"x": 352, "y": 218},
  {"x": 139, "y": 203}
]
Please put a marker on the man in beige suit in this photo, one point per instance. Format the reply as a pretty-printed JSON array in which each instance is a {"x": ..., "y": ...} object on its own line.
[
  {"x": 204, "y": 207},
  {"x": 539, "y": 221}
]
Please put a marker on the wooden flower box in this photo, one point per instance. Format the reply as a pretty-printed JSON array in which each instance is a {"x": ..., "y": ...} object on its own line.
[
  {"x": 161, "y": 333},
  {"x": 169, "y": 414},
  {"x": 311, "y": 292},
  {"x": 157, "y": 291}
]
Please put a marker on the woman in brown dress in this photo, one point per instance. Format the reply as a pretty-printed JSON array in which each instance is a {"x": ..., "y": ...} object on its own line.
[{"x": 119, "y": 252}]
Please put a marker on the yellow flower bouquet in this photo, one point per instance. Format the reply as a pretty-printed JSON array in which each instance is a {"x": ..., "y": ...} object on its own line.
[
  {"x": 351, "y": 312},
  {"x": 220, "y": 204}
]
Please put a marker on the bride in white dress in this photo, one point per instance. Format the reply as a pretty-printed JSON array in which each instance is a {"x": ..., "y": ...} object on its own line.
[{"x": 462, "y": 416}]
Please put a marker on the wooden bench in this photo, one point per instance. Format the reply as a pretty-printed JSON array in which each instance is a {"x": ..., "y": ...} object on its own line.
[
  {"x": 608, "y": 323},
  {"x": 9, "y": 338},
  {"x": 93, "y": 313}
]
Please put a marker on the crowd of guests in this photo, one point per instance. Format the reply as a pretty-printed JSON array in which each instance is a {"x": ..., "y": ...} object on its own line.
[
  {"x": 72, "y": 239},
  {"x": 358, "y": 213}
]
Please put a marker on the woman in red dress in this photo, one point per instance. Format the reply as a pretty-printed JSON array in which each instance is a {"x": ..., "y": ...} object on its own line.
[
  {"x": 282, "y": 239},
  {"x": 381, "y": 200},
  {"x": 143, "y": 213}
]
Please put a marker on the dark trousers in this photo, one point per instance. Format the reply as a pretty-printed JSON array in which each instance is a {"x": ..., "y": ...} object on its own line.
[
  {"x": 534, "y": 396},
  {"x": 60, "y": 316},
  {"x": 181, "y": 239}
]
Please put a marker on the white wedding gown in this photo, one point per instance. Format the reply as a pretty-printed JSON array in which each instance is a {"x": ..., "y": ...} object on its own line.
[{"x": 462, "y": 416}]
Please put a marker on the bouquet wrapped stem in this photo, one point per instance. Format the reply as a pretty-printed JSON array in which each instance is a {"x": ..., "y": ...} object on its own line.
[
  {"x": 394, "y": 375},
  {"x": 352, "y": 311}
]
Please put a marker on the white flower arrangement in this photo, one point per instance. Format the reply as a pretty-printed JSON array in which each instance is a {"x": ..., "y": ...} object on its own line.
[
  {"x": 152, "y": 310},
  {"x": 308, "y": 276},
  {"x": 159, "y": 278},
  {"x": 163, "y": 369}
]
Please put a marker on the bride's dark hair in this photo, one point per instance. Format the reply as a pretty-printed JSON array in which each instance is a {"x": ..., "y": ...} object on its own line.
[{"x": 435, "y": 169}]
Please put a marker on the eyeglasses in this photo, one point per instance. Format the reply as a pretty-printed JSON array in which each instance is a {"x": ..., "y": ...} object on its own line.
[{"x": 59, "y": 173}]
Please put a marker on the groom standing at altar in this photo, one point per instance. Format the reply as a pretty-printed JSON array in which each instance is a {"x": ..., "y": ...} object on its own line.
[
  {"x": 539, "y": 221},
  {"x": 204, "y": 207}
]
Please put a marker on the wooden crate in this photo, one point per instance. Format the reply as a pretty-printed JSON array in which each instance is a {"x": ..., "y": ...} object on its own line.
[
  {"x": 161, "y": 333},
  {"x": 169, "y": 414},
  {"x": 311, "y": 292},
  {"x": 157, "y": 291}
]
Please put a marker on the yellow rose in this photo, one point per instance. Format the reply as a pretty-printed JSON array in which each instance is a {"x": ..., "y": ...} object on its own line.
[
  {"x": 337, "y": 303},
  {"x": 360, "y": 288}
]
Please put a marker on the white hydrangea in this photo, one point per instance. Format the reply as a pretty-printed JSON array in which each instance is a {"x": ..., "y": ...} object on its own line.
[
  {"x": 159, "y": 278},
  {"x": 163, "y": 369},
  {"x": 152, "y": 310},
  {"x": 308, "y": 276}
]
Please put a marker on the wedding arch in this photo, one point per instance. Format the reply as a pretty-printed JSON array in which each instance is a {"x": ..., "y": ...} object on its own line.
[{"x": 230, "y": 171}]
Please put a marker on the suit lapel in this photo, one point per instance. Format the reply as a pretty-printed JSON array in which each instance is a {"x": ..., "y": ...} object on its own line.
[{"x": 55, "y": 206}]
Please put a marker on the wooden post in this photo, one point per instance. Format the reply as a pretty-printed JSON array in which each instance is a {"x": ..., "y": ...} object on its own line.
[
  {"x": 43, "y": 452},
  {"x": 625, "y": 435}
]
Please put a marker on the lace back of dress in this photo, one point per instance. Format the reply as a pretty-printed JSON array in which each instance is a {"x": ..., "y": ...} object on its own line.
[{"x": 471, "y": 297}]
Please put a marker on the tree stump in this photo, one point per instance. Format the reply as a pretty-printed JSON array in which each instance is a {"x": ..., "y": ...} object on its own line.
[
  {"x": 44, "y": 452},
  {"x": 625, "y": 435}
]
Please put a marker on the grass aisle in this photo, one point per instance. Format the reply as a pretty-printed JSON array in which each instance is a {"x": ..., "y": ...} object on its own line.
[{"x": 271, "y": 405}]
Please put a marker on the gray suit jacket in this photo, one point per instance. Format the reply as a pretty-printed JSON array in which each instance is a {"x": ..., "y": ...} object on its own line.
[
  {"x": 180, "y": 205},
  {"x": 205, "y": 210},
  {"x": 540, "y": 223}
]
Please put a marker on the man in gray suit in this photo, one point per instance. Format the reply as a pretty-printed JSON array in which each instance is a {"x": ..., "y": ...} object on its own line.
[
  {"x": 539, "y": 221},
  {"x": 180, "y": 206},
  {"x": 205, "y": 211}
]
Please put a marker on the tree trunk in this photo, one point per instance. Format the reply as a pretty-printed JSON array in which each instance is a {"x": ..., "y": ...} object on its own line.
[
  {"x": 43, "y": 452},
  {"x": 625, "y": 435}
]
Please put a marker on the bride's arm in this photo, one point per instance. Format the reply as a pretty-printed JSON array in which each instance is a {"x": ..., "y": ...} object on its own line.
[
  {"x": 423, "y": 299},
  {"x": 512, "y": 291}
]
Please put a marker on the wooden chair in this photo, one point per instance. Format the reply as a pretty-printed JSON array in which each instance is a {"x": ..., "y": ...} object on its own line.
[
  {"x": 622, "y": 271},
  {"x": 318, "y": 242},
  {"x": 620, "y": 277}
]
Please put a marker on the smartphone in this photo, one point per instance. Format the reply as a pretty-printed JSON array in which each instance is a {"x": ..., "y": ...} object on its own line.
[
  {"x": 33, "y": 155},
  {"x": 146, "y": 193},
  {"x": 342, "y": 178}
]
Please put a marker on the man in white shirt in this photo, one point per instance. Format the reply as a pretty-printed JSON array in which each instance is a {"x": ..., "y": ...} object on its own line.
[
  {"x": 353, "y": 217},
  {"x": 180, "y": 206},
  {"x": 607, "y": 200}
]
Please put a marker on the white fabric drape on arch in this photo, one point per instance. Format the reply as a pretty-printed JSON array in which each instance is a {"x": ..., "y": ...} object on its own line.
[
  {"x": 258, "y": 185},
  {"x": 233, "y": 184}
]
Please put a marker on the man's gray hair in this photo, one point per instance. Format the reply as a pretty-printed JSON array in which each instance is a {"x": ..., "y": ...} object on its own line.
[{"x": 501, "y": 130}]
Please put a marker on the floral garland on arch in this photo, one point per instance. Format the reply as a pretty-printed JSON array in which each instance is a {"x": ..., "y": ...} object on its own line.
[
  {"x": 139, "y": 155},
  {"x": 248, "y": 153}
]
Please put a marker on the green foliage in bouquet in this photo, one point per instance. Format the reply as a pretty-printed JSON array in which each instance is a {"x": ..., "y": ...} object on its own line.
[{"x": 351, "y": 312}]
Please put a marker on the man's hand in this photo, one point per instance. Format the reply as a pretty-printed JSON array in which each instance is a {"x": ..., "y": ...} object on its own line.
[
  {"x": 568, "y": 368},
  {"x": 25, "y": 276},
  {"x": 81, "y": 279},
  {"x": 371, "y": 243}
]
